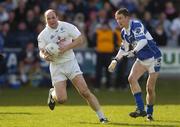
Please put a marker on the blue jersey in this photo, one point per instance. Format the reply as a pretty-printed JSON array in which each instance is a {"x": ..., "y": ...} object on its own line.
[{"x": 134, "y": 34}]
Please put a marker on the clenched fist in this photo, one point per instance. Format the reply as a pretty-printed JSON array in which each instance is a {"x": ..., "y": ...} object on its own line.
[{"x": 112, "y": 65}]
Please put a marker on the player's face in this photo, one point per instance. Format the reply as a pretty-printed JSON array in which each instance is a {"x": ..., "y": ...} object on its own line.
[
  {"x": 122, "y": 20},
  {"x": 51, "y": 19}
]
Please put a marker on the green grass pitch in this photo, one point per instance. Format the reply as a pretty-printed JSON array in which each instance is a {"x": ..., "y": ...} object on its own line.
[{"x": 26, "y": 107}]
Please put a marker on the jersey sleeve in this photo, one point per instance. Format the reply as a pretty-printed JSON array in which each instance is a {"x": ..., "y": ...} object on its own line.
[
  {"x": 41, "y": 42},
  {"x": 73, "y": 31},
  {"x": 138, "y": 31}
]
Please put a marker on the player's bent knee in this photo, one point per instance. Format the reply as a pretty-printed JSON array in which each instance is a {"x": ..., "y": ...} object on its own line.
[
  {"x": 149, "y": 90},
  {"x": 86, "y": 93},
  {"x": 131, "y": 79},
  {"x": 61, "y": 100}
]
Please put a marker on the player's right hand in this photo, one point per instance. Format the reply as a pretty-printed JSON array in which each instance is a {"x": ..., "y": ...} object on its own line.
[
  {"x": 112, "y": 66},
  {"x": 47, "y": 56}
]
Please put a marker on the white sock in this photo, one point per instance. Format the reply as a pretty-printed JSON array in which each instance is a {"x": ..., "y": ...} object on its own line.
[
  {"x": 53, "y": 94},
  {"x": 100, "y": 114}
]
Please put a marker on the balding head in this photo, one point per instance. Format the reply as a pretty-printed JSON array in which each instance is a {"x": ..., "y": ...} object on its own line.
[
  {"x": 51, "y": 18},
  {"x": 49, "y": 11}
]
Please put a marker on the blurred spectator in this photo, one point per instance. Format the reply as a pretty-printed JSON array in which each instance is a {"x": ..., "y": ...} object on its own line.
[
  {"x": 23, "y": 35},
  {"x": 1, "y": 47},
  {"x": 21, "y": 11},
  {"x": 79, "y": 21},
  {"x": 91, "y": 28},
  {"x": 166, "y": 25},
  {"x": 105, "y": 47},
  {"x": 170, "y": 10},
  {"x": 148, "y": 21},
  {"x": 3, "y": 14},
  {"x": 62, "y": 6},
  {"x": 9, "y": 5},
  {"x": 81, "y": 6},
  {"x": 131, "y": 5},
  {"x": 31, "y": 21},
  {"x": 43, "y": 4},
  {"x": 160, "y": 36},
  {"x": 12, "y": 22},
  {"x": 9, "y": 36},
  {"x": 70, "y": 12},
  {"x": 154, "y": 6},
  {"x": 102, "y": 16},
  {"x": 53, "y": 5},
  {"x": 175, "y": 28},
  {"x": 1, "y": 43},
  {"x": 39, "y": 77},
  {"x": 37, "y": 12},
  {"x": 141, "y": 10},
  {"x": 109, "y": 9},
  {"x": 28, "y": 62}
]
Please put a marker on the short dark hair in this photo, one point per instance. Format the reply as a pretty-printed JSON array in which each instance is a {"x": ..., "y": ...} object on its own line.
[{"x": 123, "y": 11}]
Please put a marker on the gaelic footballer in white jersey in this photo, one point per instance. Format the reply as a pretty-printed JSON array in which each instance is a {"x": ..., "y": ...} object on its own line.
[
  {"x": 64, "y": 65},
  {"x": 64, "y": 33}
]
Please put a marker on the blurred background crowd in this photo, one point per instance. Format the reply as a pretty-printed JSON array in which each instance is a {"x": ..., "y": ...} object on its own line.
[{"x": 22, "y": 20}]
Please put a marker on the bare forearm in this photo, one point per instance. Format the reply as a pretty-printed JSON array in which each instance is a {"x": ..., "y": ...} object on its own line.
[
  {"x": 78, "y": 41},
  {"x": 120, "y": 54}
]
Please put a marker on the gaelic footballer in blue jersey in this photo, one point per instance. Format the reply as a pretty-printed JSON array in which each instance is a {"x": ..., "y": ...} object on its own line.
[{"x": 148, "y": 58}]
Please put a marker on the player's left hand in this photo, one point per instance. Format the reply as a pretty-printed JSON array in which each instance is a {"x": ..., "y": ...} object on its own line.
[
  {"x": 47, "y": 56},
  {"x": 130, "y": 54},
  {"x": 112, "y": 66},
  {"x": 62, "y": 47}
]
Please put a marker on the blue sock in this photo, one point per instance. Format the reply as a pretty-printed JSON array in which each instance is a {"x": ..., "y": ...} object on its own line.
[
  {"x": 139, "y": 101},
  {"x": 149, "y": 109}
]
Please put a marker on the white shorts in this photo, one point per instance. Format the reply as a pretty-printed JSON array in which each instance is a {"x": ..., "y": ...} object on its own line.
[
  {"x": 152, "y": 65},
  {"x": 63, "y": 71}
]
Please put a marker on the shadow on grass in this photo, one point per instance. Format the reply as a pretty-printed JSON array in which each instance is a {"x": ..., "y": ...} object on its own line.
[
  {"x": 18, "y": 113},
  {"x": 130, "y": 124},
  {"x": 168, "y": 121}
]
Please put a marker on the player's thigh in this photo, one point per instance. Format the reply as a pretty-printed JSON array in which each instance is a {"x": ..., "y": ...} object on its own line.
[
  {"x": 60, "y": 89},
  {"x": 137, "y": 70},
  {"x": 80, "y": 84},
  {"x": 72, "y": 69},
  {"x": 153, "y": 66},
  {"x": 57, "y": 73}
]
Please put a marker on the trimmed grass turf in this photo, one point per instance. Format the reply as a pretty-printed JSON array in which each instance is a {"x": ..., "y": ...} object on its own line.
[
  {"x": 82, "y": 116},
  {"x": 26, "y": 107}
]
